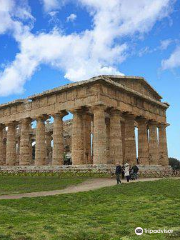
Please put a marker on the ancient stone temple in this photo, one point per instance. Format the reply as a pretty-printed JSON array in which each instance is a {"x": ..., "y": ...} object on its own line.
[{"x": 106, "y": 110}]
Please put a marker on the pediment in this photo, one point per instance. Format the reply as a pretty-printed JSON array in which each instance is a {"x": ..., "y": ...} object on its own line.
[{"x": 137, "y": 84}]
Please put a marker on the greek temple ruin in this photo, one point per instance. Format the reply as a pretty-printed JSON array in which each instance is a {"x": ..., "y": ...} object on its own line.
[{"x": 105, "y": 112}]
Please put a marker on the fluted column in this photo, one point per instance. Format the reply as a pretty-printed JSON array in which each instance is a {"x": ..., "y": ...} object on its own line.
[
  {"x": 92, "y": 146},
  {"x": 130, "y": 141},
  {"x": 2, "y": 160},
  {"x": 153, "y": 144},
  {"x": 4, "y": 151},
  {"x": 48, "y": 147},
  {"x": 77, "y": 138},
  {"x": 99, "y": 142},
  {"x": 25, "y": 158},
  {"x": 163, "y": 152},
  {"x": 87, "y": 138},
  {"x": 116, "y": 154},
  {"x": 143, "y": 146},
  {"x": 123, "y": 139},
  {"x": 58, "y": 145},
  {"x": 40, "y": 151},
  {"x": 11, "y": 144},
  {"x": 4, "y": 144},
  {"x": 31, "y": 150},
  {"x": 18, "y": 151},
  {"x": 109, "y": 160}
]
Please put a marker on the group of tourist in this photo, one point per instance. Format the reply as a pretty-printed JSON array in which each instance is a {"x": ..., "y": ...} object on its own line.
[{"x": 131, "y": 173}]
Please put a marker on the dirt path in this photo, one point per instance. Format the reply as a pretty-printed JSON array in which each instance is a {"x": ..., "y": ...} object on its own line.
[{"x": 88, "y": 185}]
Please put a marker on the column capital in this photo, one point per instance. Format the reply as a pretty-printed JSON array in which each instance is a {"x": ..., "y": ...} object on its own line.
[
  {"x": 142, "y": 120},
  {"x": 77, "y": 110},
  {"x": 2, "y": 126},
  {"x": 152, "y": 123},
  {"x": 163, "y": 125},
  {"x": 130, "y": 116},
  {"x": 60, "y": 114},
  {"x": 115, "y": 112},
  {"x": 98, "y": 107},
  {"x": 42, "y": 118},
  {"x": 25, "y": 120},
  {"x": 12, "y": 123}
]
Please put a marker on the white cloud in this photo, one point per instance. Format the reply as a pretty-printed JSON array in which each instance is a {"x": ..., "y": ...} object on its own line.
[
  {"x": 50, "y": 4},
  {"x": 53, "y": 13},
  {"x": 173, "y": 61},
  {"x": 165, "y": 44},
  {"x": 70, "y": 53},
  {"x": 89, "y": 53},
  {"x": 71, "y": 18},
  {"x": 12, "y": 17},
  {"x": 15, "y": 75}
]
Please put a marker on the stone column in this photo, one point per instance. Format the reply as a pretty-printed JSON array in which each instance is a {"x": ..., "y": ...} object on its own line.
[
  {"x": 143, "y": 146},
  {"x": 11, "y": 144},
  {"x": 31, "y": 150},
  {"x": 25, "y": 158},
  {"x": 40, "y": 152},
  {"x": 123, "y": 139},
  {"x": 87, "y": 138},
  {"x": 163, "y": 152},
  {"x": 153, "y": 144},
  {"x": 92, "y": 147},
  {"x": 130, "y": 141},
  {"x": 48, "y": 148},
  {"x": 99, "y": 142},
  {"x": 4, "y": 151},
  {"x": 18, "y": 151},
  {"x": 109, "y": 159},
  {"x": 4, "y": 144},
  {"x": 116, "y": 154},
  {"x": 2, "y": 160},
  {"x": 77, "y": 138},
  {"x": 58, "y": 145}
]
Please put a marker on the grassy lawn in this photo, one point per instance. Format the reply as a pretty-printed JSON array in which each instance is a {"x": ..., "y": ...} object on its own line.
[
  {"x": 108, "y": 213},
  {"x": 22, "y": 184}
]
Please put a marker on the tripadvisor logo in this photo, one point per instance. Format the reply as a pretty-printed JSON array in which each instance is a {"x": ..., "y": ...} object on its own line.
[{"x": 139, "y": 231}]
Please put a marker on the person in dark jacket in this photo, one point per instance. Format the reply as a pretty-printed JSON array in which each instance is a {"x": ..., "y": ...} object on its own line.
[
  {"x": 122, "y": 172},
  {"x": 135, "y": 170},
  {"x": 118, "y": 172}
]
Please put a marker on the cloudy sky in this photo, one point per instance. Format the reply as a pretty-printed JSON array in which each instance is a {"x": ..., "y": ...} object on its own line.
[{"x": 48, "y": 43}]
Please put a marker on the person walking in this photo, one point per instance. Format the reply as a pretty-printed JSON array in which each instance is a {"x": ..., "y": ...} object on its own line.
[
  {"x": 122, "y": 172},
  {"x": 135, "y": 171},
  {"x": 118, "y": 172},
  {"x": 126, "y": 172}
]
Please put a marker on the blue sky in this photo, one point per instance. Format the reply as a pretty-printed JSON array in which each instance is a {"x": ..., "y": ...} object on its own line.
[{"x": 48, "y": 43}]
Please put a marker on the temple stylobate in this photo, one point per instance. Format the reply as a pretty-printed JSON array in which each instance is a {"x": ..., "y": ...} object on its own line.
[{"x": 106, "y": 111}]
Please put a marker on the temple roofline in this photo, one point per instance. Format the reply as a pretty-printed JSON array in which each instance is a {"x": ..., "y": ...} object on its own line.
[
  {"x": 142, "y": 79},
  {"x": 102, "y": 78}
]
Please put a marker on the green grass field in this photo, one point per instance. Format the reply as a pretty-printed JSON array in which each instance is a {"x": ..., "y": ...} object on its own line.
[
  {"x": 24, "y": 184},
  {"x": 108, "y": 213}
]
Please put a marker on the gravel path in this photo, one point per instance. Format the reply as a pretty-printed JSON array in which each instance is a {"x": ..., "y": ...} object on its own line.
[{"x": 90, "y": 184}]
